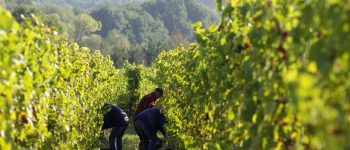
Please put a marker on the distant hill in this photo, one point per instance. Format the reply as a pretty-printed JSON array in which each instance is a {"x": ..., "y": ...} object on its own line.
[
  {"x": 88, "y": 5},
  {"x": 128, "y": 30},
  {"x": 82, "y": 5},
  {"x": 209, "y": 3}
]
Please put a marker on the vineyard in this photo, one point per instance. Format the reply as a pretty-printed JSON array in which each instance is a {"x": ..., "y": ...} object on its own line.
[{"x": 271, "y": 74}]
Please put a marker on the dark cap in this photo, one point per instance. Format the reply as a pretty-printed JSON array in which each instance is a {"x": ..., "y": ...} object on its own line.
[
  {"x": 159, "y": 90},
  {"x": 105, "y": 106}
]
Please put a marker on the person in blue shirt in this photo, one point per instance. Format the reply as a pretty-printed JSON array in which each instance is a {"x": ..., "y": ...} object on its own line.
[
  {"x": 115, "y": 118},
  {"x": 147, "y": 123}
]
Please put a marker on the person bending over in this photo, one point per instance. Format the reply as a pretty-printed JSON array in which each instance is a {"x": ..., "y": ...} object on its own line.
[
  {"x": 115, "y": 118},
  {"x": 149, "y": 101},
  {"x": 147, "y": 123}
]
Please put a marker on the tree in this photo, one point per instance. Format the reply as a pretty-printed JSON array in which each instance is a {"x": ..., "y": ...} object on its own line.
[
  {"x": 177, "y": 39},
  {"x": 146, "y": 35},
  {"x": 117, "y": 46},
  {"x": 173, "y": 14},
  {"x": 199, "y": 12},
  {"x": 53, "y": 20},
  {"x": 2, "y": 3},
  {"x": 209, "y": 3},
  {"x": 116, "y": 39},
  {"x": 93, "y": 41},
  {"x": 107, "y": 17},
  {"x": 84, "y": 25},
  {"x": 22, "y": 11},
  {"x": 137, "y": 53},
  {"x": 157, "y": 39}
]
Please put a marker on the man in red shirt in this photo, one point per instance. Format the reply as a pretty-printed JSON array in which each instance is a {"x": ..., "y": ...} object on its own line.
[{"x": 149, "y": 100}]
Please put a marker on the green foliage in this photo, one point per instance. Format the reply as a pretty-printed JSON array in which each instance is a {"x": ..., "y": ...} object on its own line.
[
  {"x": 79, "y": 5},
  {"x": 51, "y": 90},
  {"x": 93, "y": 41},
  {"x": 84, "y": 25},
  {"x": 150, "y": 27},
  {"x": 21, "y": 11},
  {"x": 133, "y": 75},
  {"x": 210, "y": 3},
  {"x": 147, "y": 81},
  {"x": 271, "y": 75},
  {"x": 3, "y": 3},
  {"x": 172, "y": 12},
  {"x": 141, "y": 81},
  {"x": 142, "y": 26},
  {"x": 132, "y": 34}
]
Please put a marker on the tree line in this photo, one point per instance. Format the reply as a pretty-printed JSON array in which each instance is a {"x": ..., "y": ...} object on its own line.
[{"x": 135, "y": 31}]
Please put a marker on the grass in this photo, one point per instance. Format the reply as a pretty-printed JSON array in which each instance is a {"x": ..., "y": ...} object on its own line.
[{"x": 130, "y": 139}]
